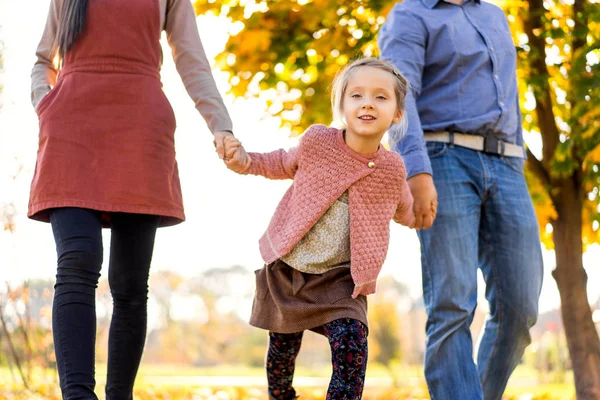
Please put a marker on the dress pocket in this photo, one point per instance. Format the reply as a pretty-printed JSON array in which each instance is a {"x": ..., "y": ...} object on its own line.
[
  {"x": 171, "y": 120},
  {"x": 341, "y": 287},
  {"x": 261, "y": 283},
  {"x": 43, "y": 104}
]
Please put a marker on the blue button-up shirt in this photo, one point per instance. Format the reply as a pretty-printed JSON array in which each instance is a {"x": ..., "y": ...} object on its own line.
[{"x": 461, "y": 63}]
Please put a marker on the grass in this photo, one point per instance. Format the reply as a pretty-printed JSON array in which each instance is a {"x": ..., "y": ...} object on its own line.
[
  {"x": 375, "y": 370},
  {"x": 551, "y": 391},
  {"x": 51, "y": 392},
  {"x": 522, "y": 372},
  {"x": 45, "y": 384}
]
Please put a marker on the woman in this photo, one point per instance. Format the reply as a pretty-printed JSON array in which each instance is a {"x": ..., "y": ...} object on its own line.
[{"x": 106, "y": 158}]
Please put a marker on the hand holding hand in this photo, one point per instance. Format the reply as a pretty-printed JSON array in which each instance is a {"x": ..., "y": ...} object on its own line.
[
  {"x": 425, "y": 200},
  {"x": 219, "y": 138},
  {"x": 235, "y": 155},
  {"x": 230, "y": 147}
]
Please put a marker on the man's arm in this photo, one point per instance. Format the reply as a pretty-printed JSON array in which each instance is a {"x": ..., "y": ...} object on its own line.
[{"x": 402, "y": 41}]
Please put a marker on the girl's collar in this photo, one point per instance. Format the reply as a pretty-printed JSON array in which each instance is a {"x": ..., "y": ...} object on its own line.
[{"x": 354, "y": 154}]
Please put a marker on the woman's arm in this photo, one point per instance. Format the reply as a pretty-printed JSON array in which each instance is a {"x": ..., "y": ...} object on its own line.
[
  {"x": 193, "y": 66},
  {"x": 44, "y": 72}
]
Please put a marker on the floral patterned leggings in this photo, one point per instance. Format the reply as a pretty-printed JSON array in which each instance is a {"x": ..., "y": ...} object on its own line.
[{"x": 348, "y": 340}]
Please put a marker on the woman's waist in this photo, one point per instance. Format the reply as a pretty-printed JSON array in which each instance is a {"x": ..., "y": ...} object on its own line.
[{"x": 111, "y": 65}]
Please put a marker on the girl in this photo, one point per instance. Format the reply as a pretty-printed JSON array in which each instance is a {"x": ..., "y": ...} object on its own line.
[
  {"x": 329, "y": 236},
  {"x": 106, "y": 158}
]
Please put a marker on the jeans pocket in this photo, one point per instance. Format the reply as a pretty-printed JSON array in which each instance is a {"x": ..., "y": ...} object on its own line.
[
  {"x": 436, "y": 149},
  {"x": 515, "y": 163}
]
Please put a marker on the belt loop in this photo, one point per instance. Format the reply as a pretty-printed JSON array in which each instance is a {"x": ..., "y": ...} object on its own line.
[
  {"x": 502, "y": 148},
  {"x": 451, "y": 139}
]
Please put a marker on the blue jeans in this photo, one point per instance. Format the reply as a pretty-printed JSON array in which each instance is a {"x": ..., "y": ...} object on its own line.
[
  {"x": 485, "y": 220},
  {"x": 77, "y": 233}
]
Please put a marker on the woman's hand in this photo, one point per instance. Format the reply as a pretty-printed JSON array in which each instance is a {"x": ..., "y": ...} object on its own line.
[{"x": 425, "y": 200}]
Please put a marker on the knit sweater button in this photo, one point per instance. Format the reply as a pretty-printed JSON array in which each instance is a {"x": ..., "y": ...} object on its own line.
[{"x": 371, "y": 164}]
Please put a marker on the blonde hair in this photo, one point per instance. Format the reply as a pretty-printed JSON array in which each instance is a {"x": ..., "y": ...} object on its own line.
[{"x": 401, "y": 88}]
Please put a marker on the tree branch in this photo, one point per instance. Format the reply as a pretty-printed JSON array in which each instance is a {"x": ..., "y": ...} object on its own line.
[
  {"x": 538, "y": 169},
  {"x": 580, "y": 31},
  {"x": 546, "y": 120},
  {"x": 581, "y": 24},
  {"x": 579, "y": 34}
]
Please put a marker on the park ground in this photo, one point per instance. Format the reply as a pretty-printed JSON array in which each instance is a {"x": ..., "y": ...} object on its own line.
[{"x": 168, "y": 382}]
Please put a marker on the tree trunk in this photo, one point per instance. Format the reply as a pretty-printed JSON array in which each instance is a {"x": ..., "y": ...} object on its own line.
[{"x": 571, "y": 278}]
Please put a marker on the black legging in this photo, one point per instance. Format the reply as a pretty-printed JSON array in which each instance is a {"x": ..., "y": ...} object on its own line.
[
  {"x": 348, "y": 341},
  {"x": 77, "y": 233}
]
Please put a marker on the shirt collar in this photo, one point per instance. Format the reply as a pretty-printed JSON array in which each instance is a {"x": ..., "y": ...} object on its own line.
[{"x": 432, "y": 3}]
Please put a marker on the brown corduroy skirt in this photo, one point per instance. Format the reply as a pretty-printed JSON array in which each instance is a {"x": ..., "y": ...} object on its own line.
[{"x": 289, "y": 301}]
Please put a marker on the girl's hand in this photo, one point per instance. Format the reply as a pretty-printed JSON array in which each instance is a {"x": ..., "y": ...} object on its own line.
[
  {"x": 235, "y": 156},
  {"x": 219, "y": 139},
  {"x": 231, "y": 146}
]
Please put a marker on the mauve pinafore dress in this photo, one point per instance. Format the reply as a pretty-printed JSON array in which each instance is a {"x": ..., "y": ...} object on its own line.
[{"x": 106, "y": 137}]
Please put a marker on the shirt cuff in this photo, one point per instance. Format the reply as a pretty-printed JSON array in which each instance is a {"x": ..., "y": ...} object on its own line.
[
  {"x": 417, "y": 162},
  {"x": 223, "y": 127}
]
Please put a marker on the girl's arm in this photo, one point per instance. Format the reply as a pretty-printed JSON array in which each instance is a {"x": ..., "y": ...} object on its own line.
[
  {"x": 404, "y": 212},
  {"x": 193, "y": 66},
  {"x": 278, "y": 164},
  {"x": 44, "y": 72}
]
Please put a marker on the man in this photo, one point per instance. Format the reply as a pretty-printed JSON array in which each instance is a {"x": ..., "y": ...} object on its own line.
[{"x": 465, "y": 145}]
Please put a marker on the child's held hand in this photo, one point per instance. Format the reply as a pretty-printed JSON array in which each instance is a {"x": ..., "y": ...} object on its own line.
[
  {"x": 231, "y": 146},
  {"x": 235, "y": 157}
]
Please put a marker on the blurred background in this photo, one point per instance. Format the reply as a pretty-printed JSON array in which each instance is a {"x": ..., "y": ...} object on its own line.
[{"x": 273, "y": 62}]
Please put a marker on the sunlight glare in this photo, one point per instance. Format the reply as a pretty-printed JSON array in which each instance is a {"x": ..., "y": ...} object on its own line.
[
  {"x": 593, "y": 57},
  {"x": 236, "y": 27}
]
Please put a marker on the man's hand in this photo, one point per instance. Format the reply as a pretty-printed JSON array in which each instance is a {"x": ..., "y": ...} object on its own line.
[
  {"x": 218, "y": 141},
  {"x": 425, "y": 200}
]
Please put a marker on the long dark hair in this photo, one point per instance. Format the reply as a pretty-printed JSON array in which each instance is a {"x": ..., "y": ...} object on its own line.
[{"x": 71, "y": 24}]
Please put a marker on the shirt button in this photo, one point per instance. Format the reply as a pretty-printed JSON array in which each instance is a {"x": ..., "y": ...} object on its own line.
[
  {"x": 496, "y": 77},
  {"x": 371, "y": 164},
  {"x": 492, "y": 49},
  {"x": 501, "y": 104}
]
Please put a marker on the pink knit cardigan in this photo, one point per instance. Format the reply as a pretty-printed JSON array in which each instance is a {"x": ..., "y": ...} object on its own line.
[{"x": 323, "y": 167}]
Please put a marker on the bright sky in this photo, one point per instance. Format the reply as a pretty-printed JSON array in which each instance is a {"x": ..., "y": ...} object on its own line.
[{"x": 226, "y": 213}]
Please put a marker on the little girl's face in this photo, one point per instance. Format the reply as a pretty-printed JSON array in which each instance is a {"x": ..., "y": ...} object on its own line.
[{"x": 369, "y": 104}]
